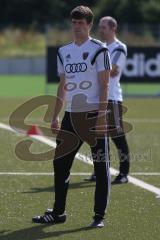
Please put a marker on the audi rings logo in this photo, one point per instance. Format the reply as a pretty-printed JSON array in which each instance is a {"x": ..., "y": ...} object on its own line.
[{"x": 76, "y": 67}]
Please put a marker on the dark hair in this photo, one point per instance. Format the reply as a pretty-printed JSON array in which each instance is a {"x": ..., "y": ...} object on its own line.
[{"x": 82, "y": 12}]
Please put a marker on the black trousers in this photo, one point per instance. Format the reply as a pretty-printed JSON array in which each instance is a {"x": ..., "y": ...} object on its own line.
[
  {"x": 75, "y": 123},
  {"x": 115, "y": 123}
]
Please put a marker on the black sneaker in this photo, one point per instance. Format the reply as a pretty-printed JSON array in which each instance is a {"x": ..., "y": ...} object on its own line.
[
  {"x": 92, "y": 178},
  {"x": 97, "y": 222},
  {"x": 48, "y": 211},
  {"x": 120, "y": 179},
  {"x": 50, "y": 218}
]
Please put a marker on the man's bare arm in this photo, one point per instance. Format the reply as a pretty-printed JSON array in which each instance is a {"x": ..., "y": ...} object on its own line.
[
  {"x": 103, "y": 101},
  {"x": 59, "y": 101}
]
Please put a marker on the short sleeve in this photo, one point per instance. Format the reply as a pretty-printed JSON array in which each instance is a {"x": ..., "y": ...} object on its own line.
[
  {"x": 60, "y": 68},
  {"x": 118, "y": 58},
  {"x": 103, "y": 61}
]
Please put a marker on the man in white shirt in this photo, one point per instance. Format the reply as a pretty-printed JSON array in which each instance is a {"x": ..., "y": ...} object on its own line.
[
  {"x": 118, "y": 53},
  {"x": 84, "y": 67}
]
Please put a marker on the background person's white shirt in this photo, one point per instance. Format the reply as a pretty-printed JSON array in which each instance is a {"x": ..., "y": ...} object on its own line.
[{"x": 118, "y": 53}]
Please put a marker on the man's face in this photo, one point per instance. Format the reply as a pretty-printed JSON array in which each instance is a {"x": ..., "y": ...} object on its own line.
[
  {"x": 105, "y": 32},
  {"x": 80, "y": 28}
]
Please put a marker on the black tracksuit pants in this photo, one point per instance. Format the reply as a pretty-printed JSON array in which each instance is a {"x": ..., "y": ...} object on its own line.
[
  {"x": 63, "y": 161},
  {"x": 115, "y": 122}
]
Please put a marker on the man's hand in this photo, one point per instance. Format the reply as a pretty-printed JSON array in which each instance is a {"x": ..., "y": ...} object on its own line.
[
  {"x": 114, "y": 71},
  {"x": 55, "y": 125}
]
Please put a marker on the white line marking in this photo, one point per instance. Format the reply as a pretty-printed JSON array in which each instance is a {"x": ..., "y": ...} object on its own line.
[
  {"x": 145, "y": 173},
  {"x": 87, "y": 160},
  {"x": 72, "y": 174},
  {"x": 6, "y": 127},
  {"x": 143, "y": 120},
  {"x": 40, "y": 174},
  {"x": 137, "y": 182}
]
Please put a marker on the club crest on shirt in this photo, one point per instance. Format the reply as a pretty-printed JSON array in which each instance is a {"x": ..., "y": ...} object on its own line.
[
  {"x": 85, "y": 55},
  {"x": 68, "y": 57}
]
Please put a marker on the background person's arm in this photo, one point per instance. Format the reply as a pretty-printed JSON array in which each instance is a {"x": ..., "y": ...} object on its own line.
[
  {"x": 114, "y": 71},
  {"x": 118, "y": 59}
]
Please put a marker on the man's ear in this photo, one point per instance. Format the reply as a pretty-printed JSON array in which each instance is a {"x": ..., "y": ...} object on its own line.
[{"x": 90, "y": 25}]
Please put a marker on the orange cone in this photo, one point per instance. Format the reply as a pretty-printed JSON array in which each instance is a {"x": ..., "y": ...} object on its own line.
[{"x": 34, "y": 130}]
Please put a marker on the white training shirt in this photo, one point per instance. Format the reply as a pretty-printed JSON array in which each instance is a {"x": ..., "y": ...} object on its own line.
[
  {"x": 81, "y": 65},
  {"x": 118, "y": 53}
]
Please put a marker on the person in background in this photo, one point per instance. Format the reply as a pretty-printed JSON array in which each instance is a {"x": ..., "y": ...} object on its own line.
[{"x": 118, "y": 53}]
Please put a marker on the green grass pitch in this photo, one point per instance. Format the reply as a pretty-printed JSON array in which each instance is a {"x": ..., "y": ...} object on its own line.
[
  {"x": 133, "y": 212},
  {"x": 30, "y": 85}
]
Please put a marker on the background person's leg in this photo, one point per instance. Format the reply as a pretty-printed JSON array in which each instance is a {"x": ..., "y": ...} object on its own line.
[{"x": 123, "y": 153}]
